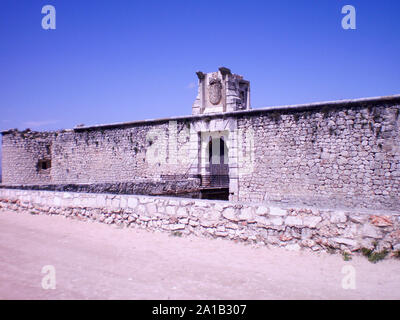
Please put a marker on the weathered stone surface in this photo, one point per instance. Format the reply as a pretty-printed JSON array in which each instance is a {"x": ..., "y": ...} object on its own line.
[
  {"x": 308, "y": 243},
  {"x": 109, "y": 220},
  {"x": 269, "y": 222},
  {"x": 273, "y": 211},
  {"x": 171, "y": 210},
  {"x": 262, "y": 211},
  {"x": 338, "y": 217},
  {"x": 367, "y": 243},
  {"x": 381, "y": 221},
  {"x": 349, "y": 242},
  {"x": 208, "y": 223},
  {"x": 181, "y": 212},
  {"x": 57, "y": 201},
  {"x": 293, "y": 221},
  {"x": 193, "y": 223},
  {"x": 116, "y": 203},
  {"x": 311, "y": 221},
  {"x": 124, "y": 203},
  {"x": 67, "y": 195},
  {"x": 358, "y": 218},
  {"x": 262, "y": 221},
  {"x": 276, "y": 221},
  {"x": 175, "y": 227},
  {"x": 151, "y": 208},
  {"x": 229, "y": 214},
  {"x": 285, "y": 237},
  {"x": 395, "y": 235},
  {"x": 132, "y": 202},
  {"x": 369, "y": 231},
  {"x": 247, "y": 214},
  {"x": 298, "y": 228}
]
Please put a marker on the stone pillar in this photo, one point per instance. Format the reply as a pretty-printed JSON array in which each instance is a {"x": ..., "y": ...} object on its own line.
[{"x": 194, "y": 150}]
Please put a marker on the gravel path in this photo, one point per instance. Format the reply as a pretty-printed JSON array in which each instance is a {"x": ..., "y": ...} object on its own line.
[{"x": 98, "y": 261}]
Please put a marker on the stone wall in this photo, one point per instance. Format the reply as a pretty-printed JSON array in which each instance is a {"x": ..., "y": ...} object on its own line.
[
  {"x": 21, "y": 154},
  {"x": 335, "y": 156},
  {"x": 121, "y": 154},
  {"x": 292, "y": 228},
  {"x": 103, "y": 155}
]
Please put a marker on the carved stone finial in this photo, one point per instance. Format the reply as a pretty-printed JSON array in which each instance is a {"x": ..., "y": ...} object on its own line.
[
  {"x": 224, "y": 71},
  {"x": 200, "y": 75}
]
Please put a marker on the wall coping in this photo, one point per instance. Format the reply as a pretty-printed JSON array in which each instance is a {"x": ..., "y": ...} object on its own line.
[{"x": 220, "y": 202}]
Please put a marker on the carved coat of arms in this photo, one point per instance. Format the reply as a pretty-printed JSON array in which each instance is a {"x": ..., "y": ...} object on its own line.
[{"x": 215, "y": 90}]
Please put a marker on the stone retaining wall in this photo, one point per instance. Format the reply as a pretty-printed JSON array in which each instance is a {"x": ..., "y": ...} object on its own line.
[{"x": 295, "y": 228}]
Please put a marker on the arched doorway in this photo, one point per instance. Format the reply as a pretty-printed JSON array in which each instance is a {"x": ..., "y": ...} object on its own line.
[{"x": 217, "y": 167}]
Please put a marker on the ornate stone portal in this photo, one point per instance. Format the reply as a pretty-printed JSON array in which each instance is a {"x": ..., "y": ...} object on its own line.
[
  {"x": 218, "y": 92},
  {"x": 221, "y": 91}
]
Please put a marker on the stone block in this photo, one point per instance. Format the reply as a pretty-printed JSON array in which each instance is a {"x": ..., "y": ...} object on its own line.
[
  {"x": 208, "y": 223},
  {"x": 116, "y": 203},
  {"x": 358, "y": 218},
  {"x": 247, "y": 214},
  {"x": 311, "y": 221},
  {"x": 178, "y": 226},
  {"x": 100, "y": 201},
  {"x": 338, "y": 217},
  {"x": 274, "y": 211},
  {"x": 381, "y": 221},
  {"x": 124, "y": 203},
  {"x": 229, "y": 213},
  {"x": 346, "y": 241},
  {"x": 170, "y": 210},
  {"x": 371, "y": 231},
  {"x": 151, "y": 208},
  {"x": 57, "y": 201},
  {"x": 193, "y": 223},
  {"x": 181, "y": 212},
  {"x": 91, "y": 202},
  {"x": 144, "y": 218},
  {"x": 132, "y": 202},
  {"x": 262, "y": 211},
  {"x": 262, "y": 221},
  {"x": 293, "y": 221}
]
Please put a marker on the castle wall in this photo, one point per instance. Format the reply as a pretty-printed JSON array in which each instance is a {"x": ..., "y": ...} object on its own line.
[
  {"x": 21, "y": 156},
  {"x": 121, "y": 154},
  {"x": 337, "y": 156},
  {"x": 341, "y": 154},
  {"x": 103, "y": 155}
]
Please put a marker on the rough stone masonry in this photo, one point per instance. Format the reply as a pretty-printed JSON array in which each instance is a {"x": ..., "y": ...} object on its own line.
[
  {"x": 330, "y": 155},
  {"x": 291, "y": 228}
]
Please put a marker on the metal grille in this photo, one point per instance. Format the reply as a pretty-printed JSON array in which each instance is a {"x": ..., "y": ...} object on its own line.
[{"x": 215, "y": 181}]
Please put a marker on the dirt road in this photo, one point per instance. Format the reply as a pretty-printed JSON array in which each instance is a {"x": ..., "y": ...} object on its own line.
[{"x": 97, "y": 261}]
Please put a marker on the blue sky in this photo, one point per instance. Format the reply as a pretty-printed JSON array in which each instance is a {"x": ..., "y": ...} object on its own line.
[{"x": 122, "y": 60}]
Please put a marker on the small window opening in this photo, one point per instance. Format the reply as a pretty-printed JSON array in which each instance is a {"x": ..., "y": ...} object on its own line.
[{"x": 44, "y": 164}]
